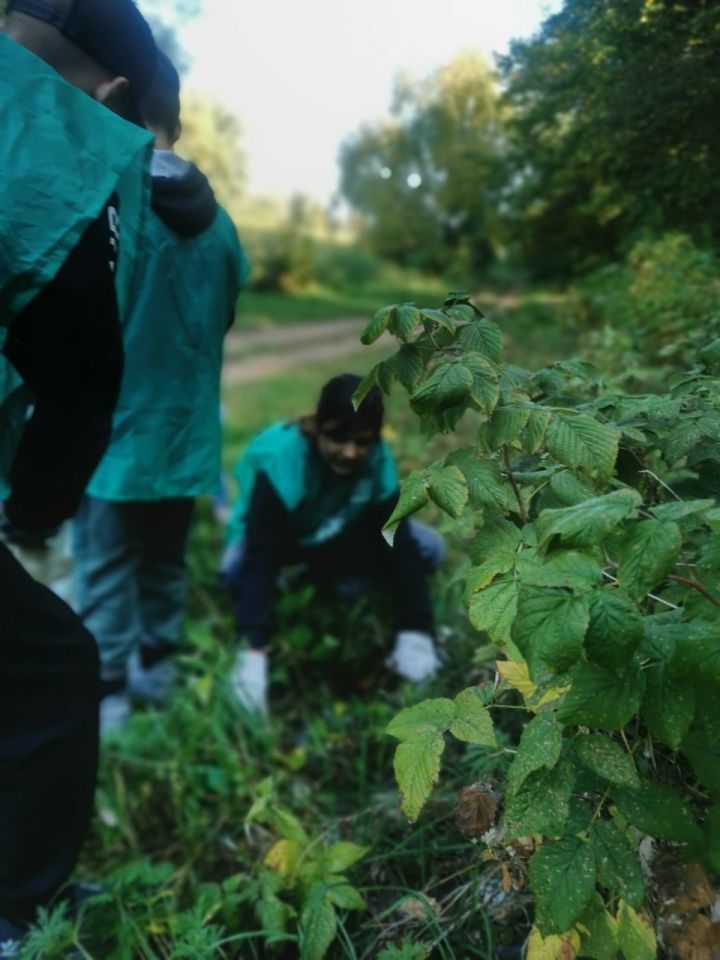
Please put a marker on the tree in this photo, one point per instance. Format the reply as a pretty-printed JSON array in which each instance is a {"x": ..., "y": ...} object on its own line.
[
  {"x": 211, "y": 139},
  {"x": 613, "y": 129},
  {"x": 423, "y": 180}
]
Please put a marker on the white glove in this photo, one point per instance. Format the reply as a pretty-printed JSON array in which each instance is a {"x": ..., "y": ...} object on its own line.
[
  {"x": 249, "y": 680},
  {"x": 414, "y": 656}
]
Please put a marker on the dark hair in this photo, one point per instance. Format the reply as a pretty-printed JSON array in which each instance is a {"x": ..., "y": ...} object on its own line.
[
  {"x": 160, "y": 107},
  {"x": 335, "y": 403}
]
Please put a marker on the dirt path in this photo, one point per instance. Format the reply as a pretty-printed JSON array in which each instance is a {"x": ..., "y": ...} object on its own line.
[{"x": 257, "y": 354}]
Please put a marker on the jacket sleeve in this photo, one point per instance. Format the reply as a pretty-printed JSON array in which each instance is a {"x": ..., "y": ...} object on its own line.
[
  {"x": 67, "y": 346},
  {"x": 267, "y": 533}
]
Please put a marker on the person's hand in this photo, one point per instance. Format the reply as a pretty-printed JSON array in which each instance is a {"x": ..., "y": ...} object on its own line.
[
  {"x": 43, "y": 555},
  {"x": 249, "y": 681},
  {"x": 414, "y": 656}
]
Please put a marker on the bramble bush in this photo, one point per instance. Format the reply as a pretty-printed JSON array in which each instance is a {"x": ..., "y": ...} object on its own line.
[
  {"x": 594, "y": 565},
  {"x": 654, "y": 308}
]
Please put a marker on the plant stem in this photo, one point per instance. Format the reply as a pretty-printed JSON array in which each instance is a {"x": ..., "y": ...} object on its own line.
[
  {"x": 513, "y": 482},
  {"x": 695, "y": 586}
]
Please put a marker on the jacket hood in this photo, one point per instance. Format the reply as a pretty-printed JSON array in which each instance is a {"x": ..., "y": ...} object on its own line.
[{"x": 181, "y": 195}]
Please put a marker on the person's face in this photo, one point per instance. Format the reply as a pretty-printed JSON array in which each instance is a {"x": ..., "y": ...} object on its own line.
[{"x": 344, "y": 449}]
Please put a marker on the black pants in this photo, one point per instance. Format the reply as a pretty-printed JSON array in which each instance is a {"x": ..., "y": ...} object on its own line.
[{"x": 48, "y": 740}]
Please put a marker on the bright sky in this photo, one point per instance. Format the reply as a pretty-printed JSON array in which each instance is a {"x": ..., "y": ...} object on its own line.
[{"x": 303, "y": 74}]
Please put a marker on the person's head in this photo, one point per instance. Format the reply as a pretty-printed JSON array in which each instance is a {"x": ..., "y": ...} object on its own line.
[
  {"x": 160, "y": 107},
  {"x": 345, "y": 436},
  {"x": 103, "y": 47}
]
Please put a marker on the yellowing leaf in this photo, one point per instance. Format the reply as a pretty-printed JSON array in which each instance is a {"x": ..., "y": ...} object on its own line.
[
  {"x": 283, "y": 856},
  {"x": 516, "y": 674},
  {"x": 636, "y": 938},
  {"x": 554, "y": 947}
]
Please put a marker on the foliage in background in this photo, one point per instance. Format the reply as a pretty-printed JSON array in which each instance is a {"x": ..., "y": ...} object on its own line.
[
  {"x": 594, "y": 566},
  {"x": 423, "y": 182},
  {"x": 650, "y": 313},
  {"x": 612, "y": 127}
]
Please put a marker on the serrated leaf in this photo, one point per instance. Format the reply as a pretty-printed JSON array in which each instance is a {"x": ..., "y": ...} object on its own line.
[
  {"x": 552, "y": 947},
  {"x": 504, "y": 426},
  {"x": 658, "y": 811},
  {"x": 493, "y": 610},
  {"x": 439, "y": 317},
  {"x": 472, "y": 722},
  {"x": 562, "y": 878},
  {"x": 615, "y": 629},
  {"x": 606, "y": 759},
  {"x": 618, "y": 867},
  {"x": 273, "y": 915},
  {"x": 417, "y": 767},
  {"x": 668, "y": 706},
  {"x": 448, "y": 385},
  {"x": 430, "y": 716},
  {"x": 408, "y": 366},
  {"x": 563, "y": 568},
  {"x": 403, "y": 321},
  {"x": 569, "y": 490},
  {"x": 678, "y": 509},
  {"x": 365, "y": 386},
  {"x": 599, "y": 698},
  {"x": 486, "y": 486},
  {"x": 493, "y": 550},
  {"x": 495, "y": 536},
  {"x": 549, "y": 628},
  {"x": 588, "y": 522},
  {"x": 636, "y": 937},
  {"x": 482, "y": 336},
  {"x": 647, "y": 554},
  {"x": 485, "y": 389},
  {"x": 343, "y": 894},
  {"x": 581, "y": 442},
  {"x": 377, "y": 326},
  {"x": 319, "y": 925},
  {"x": 535, "y": 429},
  {"x": 540, "y": 746},
  {"x": 341, "y": 856},
  {"x": 542, "y": 803},
  {"x": 702, "y": 748},
  {"x": 449, "y": 490},
  {"x": 413, "y": 496},
  {"x": 598, "y": 931}
]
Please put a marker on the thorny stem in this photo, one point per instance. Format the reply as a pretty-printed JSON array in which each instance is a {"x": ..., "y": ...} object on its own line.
[
  {"x": 627, "y": 747},
  {"x": 673, "y": 606},
  {"x": 662, "y": 483},
  {"x": 513, "y": 482},
  {"x": 695, "y": 586}
]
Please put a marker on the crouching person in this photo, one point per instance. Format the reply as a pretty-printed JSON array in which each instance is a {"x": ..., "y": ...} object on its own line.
[{"x": 317, "y": 492}]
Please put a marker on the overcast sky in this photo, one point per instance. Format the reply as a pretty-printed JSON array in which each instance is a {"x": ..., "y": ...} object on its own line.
[{"x": 303, "y": 75}]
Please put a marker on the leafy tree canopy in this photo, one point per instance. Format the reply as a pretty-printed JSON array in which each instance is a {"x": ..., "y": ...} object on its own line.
[{"x": 613, "y": 128}]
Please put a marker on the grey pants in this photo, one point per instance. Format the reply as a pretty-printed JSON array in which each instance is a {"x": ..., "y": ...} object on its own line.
[{"x": 130, "y": 579}]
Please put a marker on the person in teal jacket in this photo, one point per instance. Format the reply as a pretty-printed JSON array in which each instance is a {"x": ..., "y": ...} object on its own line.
[
  {"x": 317, "y": 492},
  {"x": 131, "y": 529},
  {"x": 71, "y": 172}
]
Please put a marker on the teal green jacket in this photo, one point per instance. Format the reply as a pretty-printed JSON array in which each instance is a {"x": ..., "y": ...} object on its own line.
[
  {"x": 321, "y": 504},
  {"x": 166, "y": 430},
  {"x": 62, "y": 156}
]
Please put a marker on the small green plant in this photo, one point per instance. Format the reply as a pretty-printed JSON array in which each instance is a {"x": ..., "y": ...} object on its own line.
[
  {"x": 302, "y": 880},
  {"x": 595, "y": 568}
]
